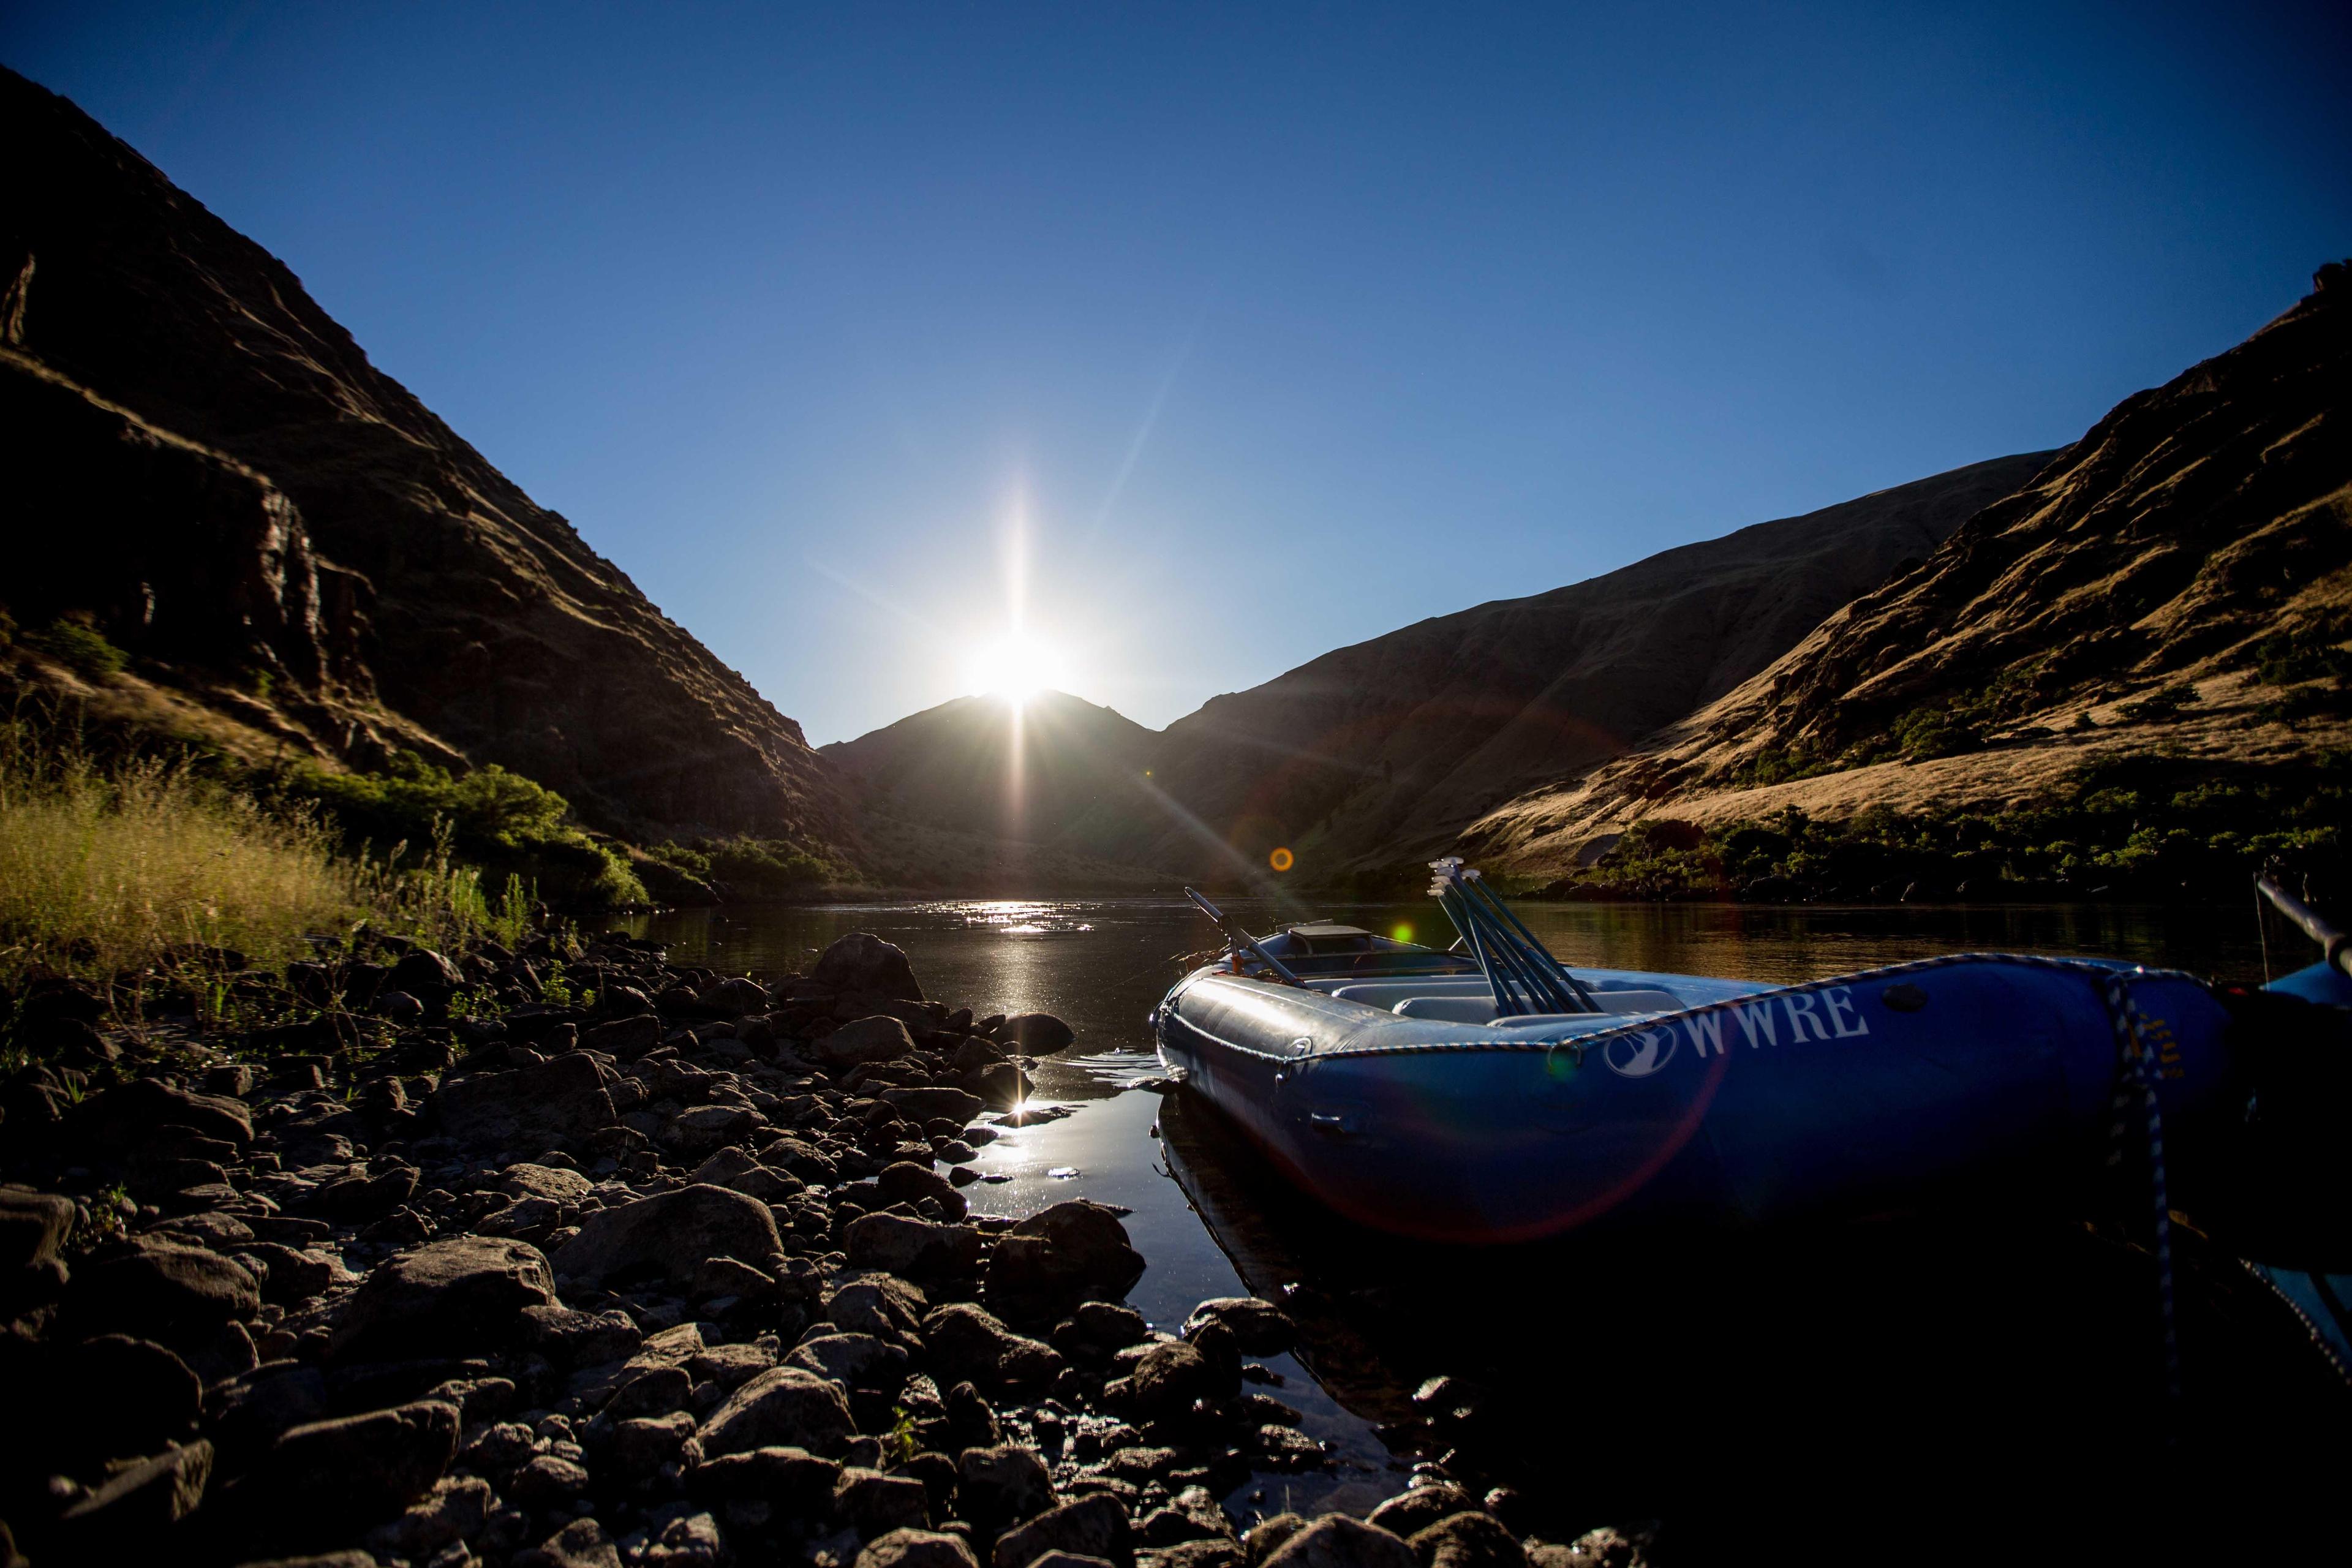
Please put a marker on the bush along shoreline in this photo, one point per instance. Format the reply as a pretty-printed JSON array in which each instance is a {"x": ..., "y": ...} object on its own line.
[{"x": 561, "y": 1253}]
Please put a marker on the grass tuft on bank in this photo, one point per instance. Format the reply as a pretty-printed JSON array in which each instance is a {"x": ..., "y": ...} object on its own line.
[{"x": 133, "y": 863}]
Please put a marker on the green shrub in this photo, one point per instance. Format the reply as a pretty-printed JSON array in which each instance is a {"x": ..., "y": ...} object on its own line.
[
  {"x": 508, "y": 824},
  {"x": 748, "y": 867},
  {"x": 2159, "y": 706},
  {"x": 80, "y": 648}
]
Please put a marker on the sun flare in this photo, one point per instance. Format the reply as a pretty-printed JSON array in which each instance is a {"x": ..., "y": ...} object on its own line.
[{"x": 1015, "y": 667}]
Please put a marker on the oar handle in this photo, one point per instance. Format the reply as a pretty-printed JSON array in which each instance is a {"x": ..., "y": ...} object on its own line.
[{"x": 2336, "y": 944}]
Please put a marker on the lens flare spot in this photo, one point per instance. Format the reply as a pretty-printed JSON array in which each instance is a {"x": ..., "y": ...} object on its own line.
[
  {"x": 1282, "y": 860},
  {"x": 1404, "y": 932}
]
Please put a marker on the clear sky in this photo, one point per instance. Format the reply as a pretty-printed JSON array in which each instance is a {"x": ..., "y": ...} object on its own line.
[{"x": 1264, "y": 329}]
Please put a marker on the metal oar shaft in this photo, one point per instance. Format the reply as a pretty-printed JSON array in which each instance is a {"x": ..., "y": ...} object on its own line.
[{"x": 2335, "y": 944}]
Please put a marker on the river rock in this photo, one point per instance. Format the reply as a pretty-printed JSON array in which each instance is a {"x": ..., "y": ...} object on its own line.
[
  {"x": 874, "y": 1504},
  {"x": 1266, "y": 1538},
  {"x": 422, "y": 971},
  {"x": 570, "y": 1339},
  {"x": 1036, "y": 1034},
  {"x": 897, "y": 1245},
  {"x": 127, "y": 1119},
  {"x": 115, "y": 1397},
  {"x": 1170, "y": 1376},
  {"x": 1410, "y": 1512},
  {"x": 789, "y": 1407},
  {"x": 670, "y": 1234},
  {"x": 582, "y": 1543},
  {"x": 700, "y": 1129},
  {"x": 917, "y": 1549},
  {"x": 1468, "y": 1540},
  {"x": 860, "y": 962},
  {"x": 131, "y": 1515},
  {"x": 921, "y": 1105},
  {"x": 656, "y": 1390},
  {"x": 33, "y": 1225},
  {"x": 853, "y": 1361},
  {"x": 795, "y": 1482},
  {"x": 883, "y": 1305},
  {"x": 1092, "y": 1526},
  {"x": 1259, "y": 1327},
  {"x": 905, "y": 1181},
  {"x": 1075, "y": 1251},
  {"x": 880, "y": 1039},
  {"x": 459, "y": 1297},
  {"x": 362, "y": 1467},
  {"x": 625, "y": 1038},
  {"x": 965, "y": 1344},
  {"x": 556, "y": 1104},
  {"x": 734, "y": 997},
  {"x": 178, "y": 1295},
  {"x": 549, "y": 1182},
  {"x": 1334, "y": 1541},
  {"x": 1002, "y": 1486},
  {"x": 455, "y": 1511}
]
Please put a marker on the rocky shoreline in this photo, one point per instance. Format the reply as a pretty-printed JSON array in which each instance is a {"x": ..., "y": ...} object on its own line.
[{"x": 570, "y": 1257}]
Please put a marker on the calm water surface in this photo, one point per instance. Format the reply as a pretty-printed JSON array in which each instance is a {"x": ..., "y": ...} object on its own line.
[{"x": 1211, "y": 1222}]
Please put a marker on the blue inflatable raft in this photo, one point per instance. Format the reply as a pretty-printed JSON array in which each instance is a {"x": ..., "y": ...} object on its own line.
[{"x": 1488, "y": 1095}]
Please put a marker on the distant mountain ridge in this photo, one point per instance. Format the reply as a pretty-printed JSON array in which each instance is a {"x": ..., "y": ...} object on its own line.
[
  {"x": 465, "y": 620},
  {"x": 1385, "y": 751}
]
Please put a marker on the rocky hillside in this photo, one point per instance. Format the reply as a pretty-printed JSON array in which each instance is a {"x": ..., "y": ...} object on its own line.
[
  {"x": 1374, "y": 754},
  {"x": 301, "y": 555},
  {"x": 2178, "y": 583}
]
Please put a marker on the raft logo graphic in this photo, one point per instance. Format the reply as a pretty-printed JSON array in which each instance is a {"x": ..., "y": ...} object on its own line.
[{"x": 1639, "y": 1056}]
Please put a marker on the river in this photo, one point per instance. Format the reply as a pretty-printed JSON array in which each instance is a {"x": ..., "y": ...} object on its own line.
[{"x": 1551, "y": 1353}]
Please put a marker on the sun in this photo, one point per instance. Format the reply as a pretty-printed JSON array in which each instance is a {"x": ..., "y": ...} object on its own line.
[{"x": 1016, "y": 667}]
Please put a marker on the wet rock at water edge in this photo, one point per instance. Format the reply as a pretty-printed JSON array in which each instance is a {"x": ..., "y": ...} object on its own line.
[
  {"x": 1045, "y": 1266},
  {"x": 862, "y": 964}
]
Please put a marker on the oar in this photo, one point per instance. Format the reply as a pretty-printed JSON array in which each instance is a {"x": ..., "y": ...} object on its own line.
[
  {"x": 2335, "y": 943},
  {"x": 1237, "y": 935}
]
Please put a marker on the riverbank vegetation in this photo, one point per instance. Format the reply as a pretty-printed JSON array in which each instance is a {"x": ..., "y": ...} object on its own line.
[
  {"x": 130, "y": 863},
  {"x": 2139, "y": 829}
]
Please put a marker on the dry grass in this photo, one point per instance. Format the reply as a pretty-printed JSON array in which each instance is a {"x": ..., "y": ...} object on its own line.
[{"x": 107, "y": 867}]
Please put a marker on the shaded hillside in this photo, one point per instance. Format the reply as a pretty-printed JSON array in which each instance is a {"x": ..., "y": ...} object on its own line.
[
  {"x": 1374, "y": 754},
  {"x": 448, "y": 597},
  {"x": 1055, "y": 770},
  {"x": 2176, "y": 584}
]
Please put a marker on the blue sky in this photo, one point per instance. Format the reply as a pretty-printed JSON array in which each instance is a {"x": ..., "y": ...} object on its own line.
[{"x": 1263, "y": 329}]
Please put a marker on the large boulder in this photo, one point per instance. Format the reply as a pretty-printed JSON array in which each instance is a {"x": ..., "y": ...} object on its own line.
[
  {"x": 464, "y": 1296},
  {"x": 114, "y": 1397},
  {"x": 895, "y": 1245},
  {"x": 124, "y": 1121},
  {"x": 556, "y": 1104},
  {"x": 1002, "y": 1486},
  {"x": 917, "y": 1549},
  {"x": 1260, "y": 1327},
  {"x": 1472, "y": 1538},
  {"x": 861, "y": 962},
  {"x": 880, "y": 1039},
  {"x": 1036, "y": 1034},
  {"x": 965, "y": 1344},
  {"x": 33, "y": 1225},
  {"x": 921, "y": 1105},
  {"x": 362, "y": 1467},
  {"x": 1093, "y": 1526},
  {"x": 130, "y": 1517},
  {"x": 670, "y": 1234},
  {"x": 882, "y": 1305},
  {"x": 788, "y": 1407},
  {"x": 1334, "y": 1541},
  {"x": 1075, "y": 1251},
  {"x": 178, "y": 1295},
  {"x": 1170, "y": 1377}
]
